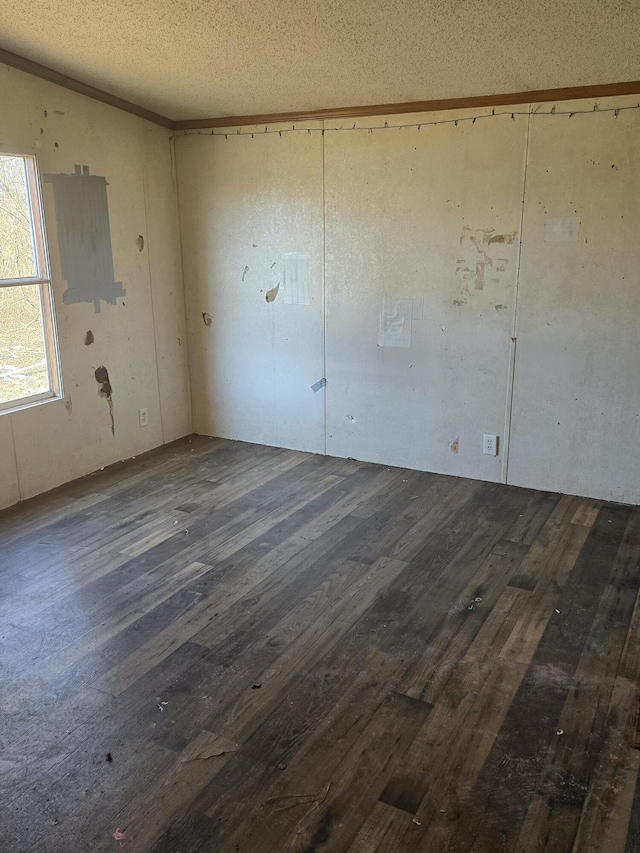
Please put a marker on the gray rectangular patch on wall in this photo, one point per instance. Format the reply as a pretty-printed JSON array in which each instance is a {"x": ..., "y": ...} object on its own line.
[
  {"x": 318, "y": 385},
  {"x": 84, "y": 238}
]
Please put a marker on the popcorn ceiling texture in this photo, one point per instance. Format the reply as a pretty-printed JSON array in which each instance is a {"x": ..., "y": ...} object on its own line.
[{"x": 205, "y": 58}]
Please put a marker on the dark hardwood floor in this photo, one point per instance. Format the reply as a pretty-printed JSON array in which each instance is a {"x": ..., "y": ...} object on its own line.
[{"x": 227, "y": 647}]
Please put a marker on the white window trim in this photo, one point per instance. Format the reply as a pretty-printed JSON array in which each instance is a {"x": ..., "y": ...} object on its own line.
[{"x": 43, "y": 279}]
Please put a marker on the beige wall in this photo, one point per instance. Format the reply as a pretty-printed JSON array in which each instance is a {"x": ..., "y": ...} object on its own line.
[
  {"x": 537, "y": 337},
  {"x": 142, "y": 339}
]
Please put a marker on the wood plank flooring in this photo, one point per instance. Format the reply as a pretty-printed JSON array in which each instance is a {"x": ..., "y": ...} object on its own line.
[{"x": 234, "y": 648}]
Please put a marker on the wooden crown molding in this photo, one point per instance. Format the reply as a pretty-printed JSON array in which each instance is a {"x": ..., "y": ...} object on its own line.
[
  {"x": 536, "y": 96},
  {"x": 570, "y": 93},
  {"x": 24, "y": 64}
]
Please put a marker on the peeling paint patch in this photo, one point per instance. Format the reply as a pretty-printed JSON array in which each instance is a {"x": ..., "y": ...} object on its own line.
[
  {"x": 106, "y": 391},
  {"x": 478, "y": 280},
  {"x": 270, "y": 295},
  {"x": 89, "y": 338},
  {"x": 500, "y": 307},
  {"x": 246, "y": 270},
  {"x": 207, "y": 319},
  {"x": 459, "y": 302},
  {"x": 502, "y": 238},
  {"x": 140, "y": 242},
  {"x": 351, "y": 419},
  {"x": 454, "y": 445}
]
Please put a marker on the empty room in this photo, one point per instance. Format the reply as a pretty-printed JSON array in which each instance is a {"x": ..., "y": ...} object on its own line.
[{"x": 319, "y": 426}]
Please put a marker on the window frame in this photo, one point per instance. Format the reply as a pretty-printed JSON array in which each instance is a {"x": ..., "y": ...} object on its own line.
[{"x": 43, "y": 280}]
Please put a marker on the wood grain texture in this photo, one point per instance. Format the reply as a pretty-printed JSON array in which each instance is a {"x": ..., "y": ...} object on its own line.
[
  {"x": 570, "y": 93},
  {"x": 243, "y": 649}
]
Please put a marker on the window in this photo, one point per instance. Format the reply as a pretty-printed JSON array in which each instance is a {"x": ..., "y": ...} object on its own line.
[{"x": 29, "y": 364}]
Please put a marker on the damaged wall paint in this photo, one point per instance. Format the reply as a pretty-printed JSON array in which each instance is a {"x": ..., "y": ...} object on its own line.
[
  {"x": 84, "y": 237},
  {"x": 106, "y": 391},
  {"x": 270, "y": 295}
]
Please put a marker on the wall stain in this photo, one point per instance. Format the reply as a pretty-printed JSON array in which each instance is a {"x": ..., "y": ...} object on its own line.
[
  {"x": 207, "y": 319},
  {"x": 89, "y": 338},
  {"x": 500, "y": 307},
  {"x": 68, "y": 405},
  {"x": 454, "y": 446},
  {"x": 459, "y": 302},
  {"x": 246, "y": 270},
  {"x": 502, "y": 238},
  {"x": 106, "y": 391},
  {"x": 270, "y": 295},
  {"x": 140, "y": 242}
]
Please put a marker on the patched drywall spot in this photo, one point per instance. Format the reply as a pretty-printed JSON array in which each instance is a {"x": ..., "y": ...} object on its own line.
[
  {"x": 454, "y": 445},
  {"x": 106, "y": 391},
  {"x": 68, "y": 405},
  {"x": 295, "y": 283},
  {"x": 207, "y": 319},
  {"x": 246, "y": 270},
  {"x": 394, "y": 326},
  {"x": 89, "y": 338},
  {"x": 270, "y": 295},
  {"x": 84, "y": 238},
  {"x": 562, "y": 229},
  {"x": 140, "y": 242}
]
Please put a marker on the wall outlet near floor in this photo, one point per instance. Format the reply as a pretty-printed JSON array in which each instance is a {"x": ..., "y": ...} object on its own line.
[
  {"x": 490, "y": 445},
  {"x": 144, "y": 417}
]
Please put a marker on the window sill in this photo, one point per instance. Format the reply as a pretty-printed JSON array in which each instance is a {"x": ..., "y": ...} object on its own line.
[{"x": 13, "y": 406}]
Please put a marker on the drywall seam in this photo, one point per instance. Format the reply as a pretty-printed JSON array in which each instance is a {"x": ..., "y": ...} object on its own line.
[
  {"x": 187, "y": 321},
  {"x": 148, "y": 247},
  {"x": 514, "y": 331},
  {"x": 176, "y": 192},
  {"x": 324, "y": 302},
  {"x": 15, "y": 459}
]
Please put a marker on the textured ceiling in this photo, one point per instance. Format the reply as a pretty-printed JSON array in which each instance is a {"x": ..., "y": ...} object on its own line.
[{"x": 205, "y": 58}]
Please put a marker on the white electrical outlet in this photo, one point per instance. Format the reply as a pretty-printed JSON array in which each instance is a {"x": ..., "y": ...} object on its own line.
[
  {"x": 144, "y": 417},
  {"x": 490, "y": 445}
]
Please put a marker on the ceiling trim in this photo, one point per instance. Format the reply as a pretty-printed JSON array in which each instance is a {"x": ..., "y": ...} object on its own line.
[
  {"x": 46, "y": 73},
  {"x": 605, "y": 90},
  {"x": 535, "y": 96}
]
